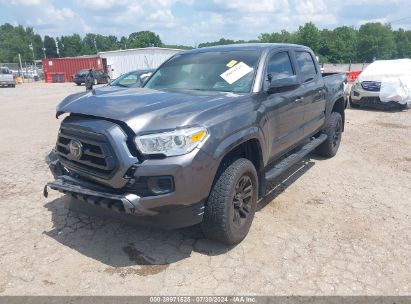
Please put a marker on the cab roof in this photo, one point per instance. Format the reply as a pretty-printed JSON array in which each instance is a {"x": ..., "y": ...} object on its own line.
[{"x": 245, "y": 46}]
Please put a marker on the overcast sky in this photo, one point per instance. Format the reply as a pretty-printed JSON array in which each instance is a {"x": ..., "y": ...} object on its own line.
[{"x": 191, "y": 22}]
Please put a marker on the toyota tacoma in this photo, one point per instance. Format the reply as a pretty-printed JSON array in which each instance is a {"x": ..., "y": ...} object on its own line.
[{"x": 200, "y": 140}]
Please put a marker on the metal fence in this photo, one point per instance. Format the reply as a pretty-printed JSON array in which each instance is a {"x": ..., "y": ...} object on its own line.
[
  {"x": 343, "y": 67},
  {"x": 29, "y": 72}
]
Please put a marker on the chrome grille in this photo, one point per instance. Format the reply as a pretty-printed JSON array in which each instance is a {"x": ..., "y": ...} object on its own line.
[
  {"x": 373, "y": 86},
  {"x": 97, "y": 157}
]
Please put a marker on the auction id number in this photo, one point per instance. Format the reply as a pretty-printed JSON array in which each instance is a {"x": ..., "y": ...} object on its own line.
[{"x": 188, "y": 299}]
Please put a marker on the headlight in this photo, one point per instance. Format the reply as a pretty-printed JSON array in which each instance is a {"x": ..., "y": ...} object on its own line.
[
  {"x": 173, "y": 143},
  {"x": 356, "y": 85}
]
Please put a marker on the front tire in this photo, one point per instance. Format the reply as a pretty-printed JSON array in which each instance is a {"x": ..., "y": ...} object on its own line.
[
  {"x": 230, "y": 208},
  {"x": 333, "y": 130}
]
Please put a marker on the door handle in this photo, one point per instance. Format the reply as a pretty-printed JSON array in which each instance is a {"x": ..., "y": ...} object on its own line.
[{"x": 299, "y": 99}]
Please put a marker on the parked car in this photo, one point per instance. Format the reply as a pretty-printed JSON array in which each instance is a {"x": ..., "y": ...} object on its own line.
[
  {"x": 133, "y": 79},
  {"x": 384, "y": 83},
  {"x": 99, "y": 77},
  {"x": 199, "y": 142},
  {"x": 7, "y": 78}
]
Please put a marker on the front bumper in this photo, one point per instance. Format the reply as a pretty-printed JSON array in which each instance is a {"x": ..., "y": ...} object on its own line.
[
  {"x": 128, "y": 203},
  {"x": 124, "y": 208},
  {"x": 7, "y": 82},
  {"x": 181, "y": 208},
  {"x": 361, "y": 97}
]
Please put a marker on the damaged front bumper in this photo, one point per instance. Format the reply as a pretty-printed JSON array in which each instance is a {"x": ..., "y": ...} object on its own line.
[
  {"x": 128, "y": 203},
  {"x": 98, "y": 200}
]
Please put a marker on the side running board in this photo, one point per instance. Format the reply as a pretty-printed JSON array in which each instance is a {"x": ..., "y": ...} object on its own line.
[{"x": 286, "y": 163}]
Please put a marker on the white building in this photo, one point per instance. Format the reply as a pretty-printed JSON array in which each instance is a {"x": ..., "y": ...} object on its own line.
[{"x": 122, "y": 61}]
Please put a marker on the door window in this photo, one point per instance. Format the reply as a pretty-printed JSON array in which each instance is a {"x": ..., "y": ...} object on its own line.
[
  {"x": 279, "y": 66},
  {"x": 306, "y": 65},
  {"x": 129, "y": 80}
]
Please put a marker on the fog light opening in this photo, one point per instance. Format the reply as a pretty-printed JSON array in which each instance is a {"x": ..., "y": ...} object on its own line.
[{"x": 160, "y": 184}]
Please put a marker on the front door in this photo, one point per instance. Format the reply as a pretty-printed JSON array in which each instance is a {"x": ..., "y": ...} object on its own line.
[{"x": 284, "y": 109}]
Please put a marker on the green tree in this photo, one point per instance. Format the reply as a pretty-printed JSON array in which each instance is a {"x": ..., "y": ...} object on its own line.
[
  {"x": 143, "y": 39},
  {"x": 15, "y": 40},
  {"x": 71, "y": 45},
  {"x": 375, "y": 41},
  {"x": 343, "y": 45},
  {"x": 282, "y": 37},
  {"x": 50, "y": 46},
  {"x": 99, "y": 43},
  {"x": 123, "y": 43},
  {"x": 309, "y": 35},
  {"x": 37, "y": 46},
  {"x": 403, "y": 42},
  {"x": 324, "y": 51}
]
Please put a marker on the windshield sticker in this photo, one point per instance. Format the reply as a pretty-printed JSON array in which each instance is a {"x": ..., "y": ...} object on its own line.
[
  {"x": 236, "y": 72},
  {"x": 231, "y": 63}
]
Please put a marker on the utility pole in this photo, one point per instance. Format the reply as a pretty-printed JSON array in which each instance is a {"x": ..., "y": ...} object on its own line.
[
  {"x": 21, "y": 66},
  {"x": 32, "y": 50},
  {"x": 44, "y": 51},
  {"x": 57, "y": 48},
  {"x": 95, "y": 45}
]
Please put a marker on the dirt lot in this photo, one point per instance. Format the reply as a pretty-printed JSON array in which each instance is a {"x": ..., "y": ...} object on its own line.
[{"x": 339, "y": 226}]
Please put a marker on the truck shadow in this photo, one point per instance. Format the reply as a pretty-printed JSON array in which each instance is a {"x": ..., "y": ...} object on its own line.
[
  {"x": 124, "y": 247},
  {"x": 130, "y": 249}
]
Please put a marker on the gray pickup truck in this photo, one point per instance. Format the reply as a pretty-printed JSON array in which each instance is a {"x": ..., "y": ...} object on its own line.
[
  {"x": 199, "y": 141},
  {"x": 7, "y": 78}
]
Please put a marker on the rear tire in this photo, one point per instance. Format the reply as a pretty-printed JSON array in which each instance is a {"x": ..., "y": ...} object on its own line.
[
  {"x": 230, "y": 208},
  {"x": 333, "y": 130}
]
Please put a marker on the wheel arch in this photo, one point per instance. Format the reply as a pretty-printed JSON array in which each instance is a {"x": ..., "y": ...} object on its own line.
[
  {"x": 251, "y": 148},
  {"x": 339, "y": 107}
]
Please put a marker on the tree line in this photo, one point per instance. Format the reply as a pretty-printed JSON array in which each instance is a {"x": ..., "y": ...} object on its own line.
[{"x": 341, "y": 45}]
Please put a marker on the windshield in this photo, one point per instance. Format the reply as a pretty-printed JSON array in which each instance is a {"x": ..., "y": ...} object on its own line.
[
  {"x": 131, "y": 79},
  {"x": 230, "y": 71},
  {"x": 5, "y": 71},
  {"x": 83, "y": 72}
]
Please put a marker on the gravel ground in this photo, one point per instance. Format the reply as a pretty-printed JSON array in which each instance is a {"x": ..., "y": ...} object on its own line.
[{"x": 328, "y": 227}]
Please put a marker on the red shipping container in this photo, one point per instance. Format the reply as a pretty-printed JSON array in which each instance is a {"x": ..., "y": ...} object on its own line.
[{"x": 69, "y": 66}]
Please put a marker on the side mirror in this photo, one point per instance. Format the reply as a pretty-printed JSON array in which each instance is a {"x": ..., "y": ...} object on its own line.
[
  {"x": 144, "y": 78},
  {"x": 282, "y": 84}
]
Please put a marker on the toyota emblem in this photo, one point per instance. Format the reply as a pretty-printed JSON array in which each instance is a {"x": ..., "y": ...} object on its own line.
[{"x": 76, "y": 148}]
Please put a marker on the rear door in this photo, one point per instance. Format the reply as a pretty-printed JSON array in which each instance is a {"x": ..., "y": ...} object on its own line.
[
  {"x": 312, "y": 90},
  {"x": 284, "y": 109}
]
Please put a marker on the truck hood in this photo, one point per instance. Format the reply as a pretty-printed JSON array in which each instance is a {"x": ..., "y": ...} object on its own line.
[{"x": 147, "y": 110}]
